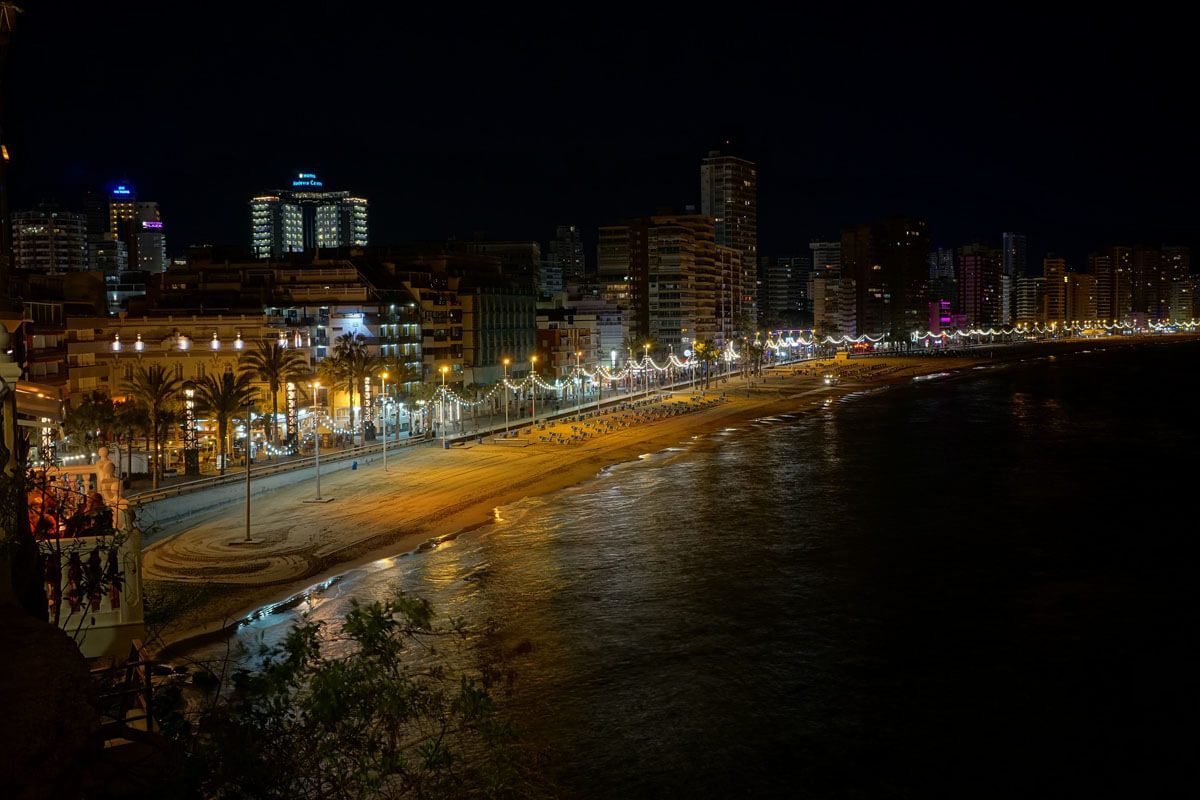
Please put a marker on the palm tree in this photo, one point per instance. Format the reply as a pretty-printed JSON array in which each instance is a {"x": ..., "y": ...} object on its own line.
[
  {"x": 89, "y": 420},
  {"x": 706, "y": 353},
  {"x": 154, "y": 389},
  {"x": 130, "y": 419},
  {"x": 223, "y": 398},
  {"x": 360, "y": 366},
  {"x": 274, "y": 366},
  {"x": 754, "y": 352},
  {"x": 334, "y": 372}
]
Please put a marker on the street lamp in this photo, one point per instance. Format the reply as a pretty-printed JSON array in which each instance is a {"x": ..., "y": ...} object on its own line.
[
  {"x": 578, "y": 356},
  {"x": 645, "y": 365},
  {"x": 533, "y": 389},
  {"x": 383, "y": 418},
  {"x": 249, "y": 439},
  {"x": 191, "y": 454},
  {"x": 442, "y": 402},
  {"x": 506, "y": 394},
  {"x": 316, "y": 387}
]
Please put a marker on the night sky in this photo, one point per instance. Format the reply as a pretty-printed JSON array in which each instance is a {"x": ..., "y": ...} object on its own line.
[{"x": 453, "y": 121}]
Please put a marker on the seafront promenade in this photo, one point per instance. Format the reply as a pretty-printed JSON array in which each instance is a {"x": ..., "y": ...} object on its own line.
[
  {"x": 427, "y": 493},
  {"x": 203, "y": 581}
]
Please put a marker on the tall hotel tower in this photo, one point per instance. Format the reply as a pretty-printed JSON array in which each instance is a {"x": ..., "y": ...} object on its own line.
[
  {"x": 729, "y": 194},
  {"x": 306, "y": 217}
]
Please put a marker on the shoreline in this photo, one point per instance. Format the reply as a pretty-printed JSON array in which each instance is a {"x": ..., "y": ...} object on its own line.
[{"x": 514, "y": 473}]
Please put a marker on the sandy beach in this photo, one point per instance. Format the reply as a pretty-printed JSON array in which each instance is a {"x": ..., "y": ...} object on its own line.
[{"x": 428, "y": 493}]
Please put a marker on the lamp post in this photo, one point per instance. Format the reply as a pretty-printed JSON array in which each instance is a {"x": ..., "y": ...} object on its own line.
[
  {"x": 383, "y": 418},
  {"x": 506, "y": 394},
  {"x": 533, "y": 389},
  {"x": 191, "y": 454},
  {"x": 646, "y": 366},
  {"x": 316, "y": 387},
  {"x": 579, "y": 376},
  {"x": 442, "y": 403},
  {"x": 248, "y": 441}
]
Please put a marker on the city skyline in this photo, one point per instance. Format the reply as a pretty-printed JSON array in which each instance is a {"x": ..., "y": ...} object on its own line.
[{"x": 1047, "y": 168}]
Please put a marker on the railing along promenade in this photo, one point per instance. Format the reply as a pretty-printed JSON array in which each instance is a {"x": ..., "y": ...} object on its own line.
[{"x": 237, "y": 475}]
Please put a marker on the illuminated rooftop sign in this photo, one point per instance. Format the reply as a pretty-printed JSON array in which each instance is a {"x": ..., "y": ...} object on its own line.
[
  {"x": 307, "y": 179},
  {"x": 122, "y": 189},
  {"x": 151, "y": 224}
]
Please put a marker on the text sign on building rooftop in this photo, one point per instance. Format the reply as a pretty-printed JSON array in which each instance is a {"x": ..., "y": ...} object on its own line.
[
  {"x": 151, "y": 224},
  {"x": 307, "y": 179},
  {"x": 122, "y": 189}
]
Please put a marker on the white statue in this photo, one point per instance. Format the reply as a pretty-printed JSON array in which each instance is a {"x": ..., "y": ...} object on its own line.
[{"x": 106, "y": 478}]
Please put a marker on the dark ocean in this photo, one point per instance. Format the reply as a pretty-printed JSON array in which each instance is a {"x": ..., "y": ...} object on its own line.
[{"x": 976, "y": 585}]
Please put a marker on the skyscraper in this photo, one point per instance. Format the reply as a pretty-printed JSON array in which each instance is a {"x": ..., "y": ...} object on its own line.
[
  {"x": 1151, "y": 283},
  {"x": 729, "y": 194},
  {"x": 979, "y": 268},
  {"x": 139, "y": 225},
  {"x": 50, "y": 240},
  {"x": 306, "y": 217},
  {"x": 783, "y": 288},
  {"x": 1016, "y": 262},
  {"x": 888, "y": 261},
  {"x": 943, "y": 276},
  {"x": 566, "y": 254},
  {"x": 1055, "y": 286},
  {"x": 679, "y": 284},
  {"x": 1111, "y": 271}
]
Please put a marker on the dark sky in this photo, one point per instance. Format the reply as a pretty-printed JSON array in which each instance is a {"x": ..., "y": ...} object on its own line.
[{"x": 453, "y": 121}]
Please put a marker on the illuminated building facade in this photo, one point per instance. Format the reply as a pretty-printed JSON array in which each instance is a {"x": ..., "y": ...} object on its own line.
[
  {"x": 306, "y": 217},
  {"x": 49, "y": 240},
  {"x": 729, "y": 194}
]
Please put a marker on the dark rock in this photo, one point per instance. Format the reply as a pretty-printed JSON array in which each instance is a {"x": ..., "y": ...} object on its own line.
[{"x": 51, "y": 728}]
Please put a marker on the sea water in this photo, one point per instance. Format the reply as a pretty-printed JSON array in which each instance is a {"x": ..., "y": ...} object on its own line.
[{"x": 980, "y": 585}]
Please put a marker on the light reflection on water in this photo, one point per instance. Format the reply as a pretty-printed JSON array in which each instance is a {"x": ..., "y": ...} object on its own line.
[{"x": 879, "y": 598}]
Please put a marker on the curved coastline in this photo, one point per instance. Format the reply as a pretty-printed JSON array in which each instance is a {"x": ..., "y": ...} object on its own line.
[{"x": 784, "y": 399}]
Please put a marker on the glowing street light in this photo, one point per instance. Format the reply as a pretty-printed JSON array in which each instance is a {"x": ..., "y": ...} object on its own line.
[
  {"x": 383, "y": 418},
  {"x": 533, "y": 389},
  {"x": 578, "y": 356},
  {"x": 506, "y": 394},
  {"x": 316, "y": 387},
  {"x": 645, "y": 357},
  {"x": 443, "y": 404}
]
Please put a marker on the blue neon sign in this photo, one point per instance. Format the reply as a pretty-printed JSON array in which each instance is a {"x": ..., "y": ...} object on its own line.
[
  {"x": 307, "y": 179},
  {"x": 122, "y": 189}
]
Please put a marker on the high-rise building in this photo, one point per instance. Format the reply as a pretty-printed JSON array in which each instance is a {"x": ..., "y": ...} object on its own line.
[
  {"x": 729, "y": 194},
  {"x": 822, "y": 288},
  {"x": 826, "y": 254},
  {"x": 1177, "y": 262},
  {"x": 979, "y": 268},
  {"x": 889, "y": 263},
  {"x": 1026, "y": 306},
  {"x": 1015, "y": 255},
  {"x": 107, "y": 253},
  {"x": 137, "y": 224},
  {"x": 566, "y": 255},
  {"x": 1015, "y": 264},
  {"x": 677, "y": 282},
  {"x": 1054, "y": 290},
  {"x": 306, "y": 217},
  {"x": 1151, "y": 283},
  {"x": 783, "y": 287},
  {"x": 1182, "y": 300},
  {"x": 1081, "y": 297},
  {"x": 1112, "y": 283},
  {"x": 49, "y": 240},
  {"x": 943, "y": 276}
]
